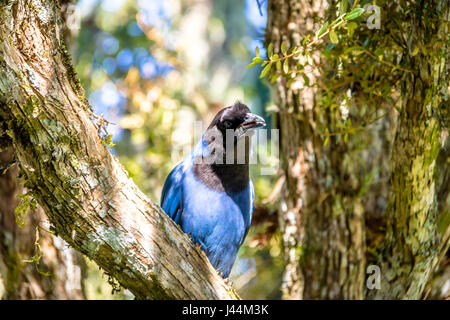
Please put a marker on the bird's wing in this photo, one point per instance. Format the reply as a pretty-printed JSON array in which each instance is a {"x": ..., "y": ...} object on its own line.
[{"x": 171, "y": 193}]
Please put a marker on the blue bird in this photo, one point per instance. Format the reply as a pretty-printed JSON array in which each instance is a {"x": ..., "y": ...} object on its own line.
[{"x": 209, "y": 194}]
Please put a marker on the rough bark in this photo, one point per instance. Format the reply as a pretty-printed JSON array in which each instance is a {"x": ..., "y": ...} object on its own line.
[
  {"x": 59, "y": 273},
  {"x": 87, "y": 195},
  {"x": 414, "y": 244},
  {"x": 322, "y": 222}
]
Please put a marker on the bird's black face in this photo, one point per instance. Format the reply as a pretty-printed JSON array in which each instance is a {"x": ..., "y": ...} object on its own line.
[
  {"x": 238, "y": 118},
  {"x": 226, "y": 166}
]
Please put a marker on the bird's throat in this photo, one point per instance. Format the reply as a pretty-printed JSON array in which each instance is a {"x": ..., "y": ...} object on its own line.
[
  {"x": 230, "y": 175},
  {"x": 223, "y": 177}
]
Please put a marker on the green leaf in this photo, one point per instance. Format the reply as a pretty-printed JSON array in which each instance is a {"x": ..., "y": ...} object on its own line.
[
  {"x": 351, "y": 27},
  {"x": 274, "y": 57},
  {"x": 288, "y": 84},
  {"x": 352, "y": 49},
  {"x": 107, "y": 141},
  {"x": 286, "y": 66},
  {"x": 337, "y": 20},
  {"x": 251, "y": 65},
  {"x": 333, "y": 37},
  {"x": 278, "y": 64},
  {"x": 258, "y": 60},
  {"x": 265, "y": 71},
  {"x": 306, "y": 78},
  {"x": 379, "y": 51},
  {"x": 322, "y": 30},
  {"x": 270, "y": 50},
  {"x": 257, "y": 51},
  {"x": 340, "y": 17},
  {"x": 355, "y": 13},
  {"x": 274, "y": 77},
  {"x": 306, "y": 39},
  {"x": 283, "y": 48},
  {"x": 327, "y": 138}
]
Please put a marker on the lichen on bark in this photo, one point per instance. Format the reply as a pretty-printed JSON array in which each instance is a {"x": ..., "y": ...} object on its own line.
[{"x": 413, "y": 243}]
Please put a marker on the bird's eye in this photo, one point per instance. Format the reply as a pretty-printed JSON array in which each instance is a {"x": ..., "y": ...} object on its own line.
[{"x": 227, "y": 124}]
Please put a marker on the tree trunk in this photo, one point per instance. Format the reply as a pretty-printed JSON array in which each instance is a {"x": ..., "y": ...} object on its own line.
[
  {"x": 414, "y": 244},
  {"x": 59, "y": 273},
  {"x": 325, "y": 201},
  {"x": 87, "y": 195},
  {"x": 322, "y": 223}
]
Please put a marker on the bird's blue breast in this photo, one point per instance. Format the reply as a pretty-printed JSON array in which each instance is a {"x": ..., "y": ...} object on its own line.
[{"x": 217, "y": 220}]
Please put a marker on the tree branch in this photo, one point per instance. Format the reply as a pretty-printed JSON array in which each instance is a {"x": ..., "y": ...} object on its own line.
[{"x": 89, "y": 198}]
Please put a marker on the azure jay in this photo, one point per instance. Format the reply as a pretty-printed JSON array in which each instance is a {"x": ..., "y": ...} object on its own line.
[{"x": 209, "y": 194}]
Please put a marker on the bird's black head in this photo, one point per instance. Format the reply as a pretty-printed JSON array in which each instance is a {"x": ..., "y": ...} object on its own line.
[
  {"x": 237, "y": 117},
  {"x": 225, "y": 169}
]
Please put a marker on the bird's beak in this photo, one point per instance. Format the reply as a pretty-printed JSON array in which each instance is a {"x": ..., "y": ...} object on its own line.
[{"x": 252, "y": 121}]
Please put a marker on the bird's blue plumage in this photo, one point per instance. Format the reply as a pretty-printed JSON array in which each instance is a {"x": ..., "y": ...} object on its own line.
[
  {"x": 213, "y": 201},
  {"x": 217, "y": 220}
]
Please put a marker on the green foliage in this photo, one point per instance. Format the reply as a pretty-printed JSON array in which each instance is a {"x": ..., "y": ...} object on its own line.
[
  {"x": 37, "y": 255},
  {"x": 357, "y": 56},
  {"x": 26, "y": 203},
  {"x": 355, "y": 13},
  {"x": 107, "y": 141},
  {"x": 306, "y": 47},
  {"x": 22, "y": 209}
]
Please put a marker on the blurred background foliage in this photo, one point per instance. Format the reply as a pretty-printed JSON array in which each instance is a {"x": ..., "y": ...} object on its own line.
[{"x": 153, "y": 68}]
